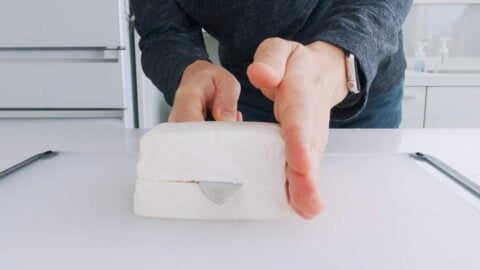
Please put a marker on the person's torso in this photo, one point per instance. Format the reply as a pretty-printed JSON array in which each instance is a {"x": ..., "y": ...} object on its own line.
[{"x": 240, "y": 26}]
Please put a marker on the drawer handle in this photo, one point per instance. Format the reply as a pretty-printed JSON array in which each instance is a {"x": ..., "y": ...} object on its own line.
[
  {"x": 104, "y": 48},
  {"x": 410, "y": 96},
  {"x": 59, "y": 54}
]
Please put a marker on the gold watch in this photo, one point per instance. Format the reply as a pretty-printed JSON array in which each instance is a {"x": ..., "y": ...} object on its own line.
[{"x": 353, "y": 80}]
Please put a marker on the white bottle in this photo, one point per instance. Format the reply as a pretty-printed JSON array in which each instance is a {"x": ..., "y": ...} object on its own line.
[
  {"x": 443, "y": 55},
  {"x": 420, "y": 57}
]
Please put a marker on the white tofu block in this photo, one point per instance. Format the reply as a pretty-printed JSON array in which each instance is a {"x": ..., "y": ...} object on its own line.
[{"x": 175, "y": 155}]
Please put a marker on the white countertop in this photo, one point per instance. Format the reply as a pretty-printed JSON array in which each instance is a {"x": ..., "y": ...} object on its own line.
[
  {"x": 465, "y": 71},
  {"x": 87, "y": 217},
  {"x": 414, "y": 78},
  {"x": 458, "y": 147}
]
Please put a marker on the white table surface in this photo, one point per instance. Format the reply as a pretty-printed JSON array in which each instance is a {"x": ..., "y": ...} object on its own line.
[
  {"x": 95, "y": 222},
  {"x": 458, "y": 147}
]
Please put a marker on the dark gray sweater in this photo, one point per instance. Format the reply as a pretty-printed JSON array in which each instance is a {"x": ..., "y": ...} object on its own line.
[{"x": 171, "y": 38}]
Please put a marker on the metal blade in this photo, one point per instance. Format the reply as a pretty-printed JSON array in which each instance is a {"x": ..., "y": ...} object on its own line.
[
  {"x": 453, "y": 174},
  {"x": 218, "y": 192},
  {"x": 28, "y": 161}
]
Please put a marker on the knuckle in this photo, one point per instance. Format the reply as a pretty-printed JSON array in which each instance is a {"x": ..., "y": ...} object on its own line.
[
  {"x": 277, "y": 42},
  {"x": 296, "y": 44},
  {"x": 228, "y": 84},
  {"x": 235, "y": 85},
  {"x": 273, "y": 41}
]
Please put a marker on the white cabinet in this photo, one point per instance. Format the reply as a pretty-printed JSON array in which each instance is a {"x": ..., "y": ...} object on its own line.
[
  {"x": 60, "y": 23},
  {"x": 51, "y": 84},
  {"x": 453, "y": 107},
  {"x": 441, "y": 107},
  {"x": 66, "y": 59},
  {"x": 413, "y": 107}
]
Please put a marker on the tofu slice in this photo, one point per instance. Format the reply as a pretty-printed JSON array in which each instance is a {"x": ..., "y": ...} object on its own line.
[{"x": 174, "y": 156}]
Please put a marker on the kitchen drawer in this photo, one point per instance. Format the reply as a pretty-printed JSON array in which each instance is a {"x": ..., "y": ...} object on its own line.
[
  {"x": 62, "y": 84},
  {"x": 60, "y": 23},
  {"x": 453, "y": 107},
  {"x": 55, "y": 123},
  {"x": 60, "y": 114},
  {"x": 413, "y": 107}
]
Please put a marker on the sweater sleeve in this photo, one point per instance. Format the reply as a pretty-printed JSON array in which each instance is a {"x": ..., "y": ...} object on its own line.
[
  {"x": 169, "y": 41},
  {"x": 370, "y": 29}
]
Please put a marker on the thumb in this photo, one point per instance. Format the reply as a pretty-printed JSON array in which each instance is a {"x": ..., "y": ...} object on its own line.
[{"x": 270, "y": 60}]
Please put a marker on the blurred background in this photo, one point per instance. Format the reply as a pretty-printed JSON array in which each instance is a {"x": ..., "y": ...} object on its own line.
[{"x": 77, "y": 63}]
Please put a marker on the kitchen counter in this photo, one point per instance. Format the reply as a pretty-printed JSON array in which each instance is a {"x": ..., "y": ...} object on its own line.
[
  {"x": 414, "y": 78},
  {"x": 75, "y": 211},
  {"x": 463, "y": 71},
  {"x": 459, "y": 147}
]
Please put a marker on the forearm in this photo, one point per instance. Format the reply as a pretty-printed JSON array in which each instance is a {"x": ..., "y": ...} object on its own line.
[
  {"x": 164, "y": 64},
  {"x": 370, "y": 29},
  {"x": 170, "y": 41}
]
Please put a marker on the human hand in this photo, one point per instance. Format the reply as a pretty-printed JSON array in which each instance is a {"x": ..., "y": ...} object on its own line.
[
  {"x": 304, "y": 82},
  {"x": 206, "y": 87}
]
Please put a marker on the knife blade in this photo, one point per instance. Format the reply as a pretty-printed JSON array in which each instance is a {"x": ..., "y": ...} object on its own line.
[
  {"x": 453, "y": 174},
  {"x": 26, "y": 162},
  {"x": 218, "y": 192}
]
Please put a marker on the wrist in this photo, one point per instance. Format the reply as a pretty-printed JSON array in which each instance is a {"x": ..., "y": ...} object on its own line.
[{"x": 333, "y": 72}]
